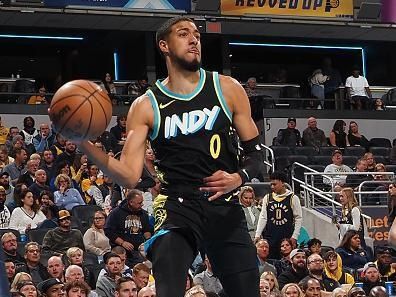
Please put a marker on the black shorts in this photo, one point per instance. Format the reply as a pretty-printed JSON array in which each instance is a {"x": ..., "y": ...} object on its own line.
[{"x": 218, "y": 227}]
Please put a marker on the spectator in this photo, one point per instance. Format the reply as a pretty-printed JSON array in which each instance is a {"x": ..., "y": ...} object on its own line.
[
  {"x": 39, "y": 184},
  {"x": 336, "y": 167},
  {"x": 316, "y": 81},
  {"x": 196, "y": 291},
  {"x": 379, "y": 105},
  {"x": 60, "y": 239},
  {"x": 350, "y": 251},
  {"x": 207, "y": 280},
  {"x": 149, "y": 159},
  {"x": 338, "y": 137},
  {"x": 355, "y": 138},
  {"x": 121, "y": 252},
  {"x": 95, "y": 240},
  {"x": 9, "y": 244},
  {"x": 371, "y": 277},
  {"x": 313, "y": 136},
  {"x": 147, "y": 292},
  {"x": 334, "y": 270},
  {"x": 19, "y": 277},
  {"x": 40, "y": 98},
  {"x": 263, "y": 248},
  {"x": 270, "y": 277},
  {"x": 33, "y": 266},
  {"x": 28, "y": 177},
  {"x": 351, "y": 216},
  {"x": 106, "y": 284},
  {"x": 128, "y": 226},
  {"x": 17, "y": 143},
  {"x": 62, "y": 168},
  {"x": 48, "y": 207},
  {"x": 141, "y": 275},
  {"x": 392, "y": 201},
  {"x": 59, "y": 145},
  {"x": 297, "y": 271},
  {"x": 9, "y": 189},
  {"x": 28, "y": 289},
  {"x": 286, "y": 247},
  {"x": 334, "y": 78},
  {"x": 9, "y": 269},
  {"x": 247, "y": 199},
  {"x": 290, "y": 136},
  {"x": 47, "y": 164},
  {"x": 291, "y": 290},
  {"x": 3, "y": 132},
  {"x": 280, "y": 216},
  {"x": 69, "y": 154},
  {"x": 138, "y": 88},
  {"x": 44, "y": 139},
  {"x": 75, "y": 256},
  {"x": 353, "y": 180},
  {"x": 311, "y": 287},
  {"x": 51, "y": 287},
  {"x": 91, "y": 180},
  {"x": 125, "y": 287},
  {"x": 339, "y": 292},
  {"x": 28, "y": 132},
  {"x": 74, "y": 273},
  {"x": 384, "y": 261},
  {"x": 316, "y": 271},
  {"x": 378, "y": 291},
  {"x": 5, "y": 159},
  {"x": 5, "y": 213},
  {"x": 358, "y": 90},
  {"x": 28, "y": 215},
  {"x": 66, "y": 197},
  {"x": 108, "y": 84},
  {"x": 314, "y": 246},
  {"x": 119, "y": 133},
  {"x": 150, "y": 195},
  {"x": 56, "y": 268},
  {"x": 264, "y": 288},
  {"x": 79, "y": 169},
  {"x": 17, "y": 168},
  {"x": 14, "y": 131},
  {"x": 77, "y": 288},
  {"x": 369, "y": 157}
]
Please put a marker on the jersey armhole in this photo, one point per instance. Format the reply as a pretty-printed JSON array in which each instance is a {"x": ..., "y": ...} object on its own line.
[
  {"x": 220, "y": 97},
  {"x": 157, "y": 115}
]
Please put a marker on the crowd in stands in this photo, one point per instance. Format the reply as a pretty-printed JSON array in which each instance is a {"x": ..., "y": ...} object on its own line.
[{"x": 68, "y": 230}]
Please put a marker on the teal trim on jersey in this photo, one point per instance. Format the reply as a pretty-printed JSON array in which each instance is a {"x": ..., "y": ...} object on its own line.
[
  {"x": 157, "y": 115},
  {"x": 187, "y": 97},
  {"x": 147, "y": 245},
  {"x": 220, "y": 96}
]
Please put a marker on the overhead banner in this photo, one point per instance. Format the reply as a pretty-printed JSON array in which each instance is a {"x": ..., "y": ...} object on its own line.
[
  {"x": 143, "y": 4},
  {"x": 311, "y": 8}
]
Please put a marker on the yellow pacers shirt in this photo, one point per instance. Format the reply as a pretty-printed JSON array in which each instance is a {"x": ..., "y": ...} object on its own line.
[{"x": 3, "y": 134}]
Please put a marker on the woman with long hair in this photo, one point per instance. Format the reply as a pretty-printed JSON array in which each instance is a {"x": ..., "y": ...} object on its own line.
[
  {"x": 354, "y": 136},
  {"x": 351, "y": 252},
  {"x": 369, "y": 157},
  {"x": 286, "y": 247},
  {"x": 291, "y": 290},
  {"x": 270, "y": 277},
  {"x": 338, "y": 137},
  {"x": 351, "y": 215},
  {"x": 95, "y": 240},
  {"x": 79, "y": 169},
  {"x": 28, "y": 215}
]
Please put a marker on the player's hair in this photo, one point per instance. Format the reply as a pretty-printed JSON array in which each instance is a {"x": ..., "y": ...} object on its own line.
[{"x": 165, "y": 29}]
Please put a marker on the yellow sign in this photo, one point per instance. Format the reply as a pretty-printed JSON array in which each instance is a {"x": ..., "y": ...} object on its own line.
[{"x": 312, "y": 8}]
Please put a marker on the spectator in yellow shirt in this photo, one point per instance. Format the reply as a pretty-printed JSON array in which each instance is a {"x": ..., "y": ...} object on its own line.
[
  {"x": 40, "y": 98},
  {"x": 3, "y": 133}
]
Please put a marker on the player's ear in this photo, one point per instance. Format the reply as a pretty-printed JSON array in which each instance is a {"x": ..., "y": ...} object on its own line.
[{"x": 163, "y": 46}]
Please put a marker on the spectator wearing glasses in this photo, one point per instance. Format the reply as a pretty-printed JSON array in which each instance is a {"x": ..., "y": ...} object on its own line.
[
  {"x": 66, "y": 197},
  {"x": 60, "y": 239},
  {"x": 9, "y": 244},
  {"x": 95, "y": 240},
  {"x": 371, "y": 277}
]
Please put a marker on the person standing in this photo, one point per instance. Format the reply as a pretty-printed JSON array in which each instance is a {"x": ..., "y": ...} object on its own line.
[
  {"x": 358, "y": 90},
  {"x": 197, "y": 205},
  {"x": 280, "y": 216}
]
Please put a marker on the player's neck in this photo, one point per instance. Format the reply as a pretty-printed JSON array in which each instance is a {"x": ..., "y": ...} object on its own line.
[{"x": 181, "y": 81}]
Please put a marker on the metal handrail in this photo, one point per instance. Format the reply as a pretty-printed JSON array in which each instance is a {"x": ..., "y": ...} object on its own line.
[
  {"x": 271, "y": 151},
  {"x": 305, "y": 178},
  {"x": 360, "y": 192}
]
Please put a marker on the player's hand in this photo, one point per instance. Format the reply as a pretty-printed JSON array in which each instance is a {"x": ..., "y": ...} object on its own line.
[
  {"x": 220, "y": 183},
  {"x": 294, "y": 242}
]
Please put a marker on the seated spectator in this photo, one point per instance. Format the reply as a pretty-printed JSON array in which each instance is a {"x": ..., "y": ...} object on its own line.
[
  {"x": 44, "y": 139},
  {"x": 100, "y": 194},
  {"x": 265, "y": 290},
  {"x": 27, "y": 288},
  {"x": 28, "y": 177},
  {"x": 333, "y": 269},
  {"x": 270, "y": 277},
  {"x": 336, "y": 167},
  {"x": 315, "y": 265},
  {"x": 77, "y": 288},
  {"x": 56, "y": 268},
  {"x": 105, "y": 286},
  {"x": 351, "y": 252},
  {"x": 59, "y": 145},
  {"x": 369, "y": 157},
  {"x": 9, "y": 189},
  {"x": 310, "y": 287},
  {"x": 380, "y": 167},
  {"x": 207, "y": 279},
  {"x": 121, "y": 252},
  {"x": 79, "y": 169},
  {"x": 75, "y": 256},
  {"x": 289, "y": 136},
  {"x": 313, "y": 136},
  {"x": 355, "y": 138},
  {"x": 338, "y": 137},
  {"x": 291, "y": 290},
  {"x": 33, "y": 266},
  {"x": 74, "y": 273},
  {"x": 139, "y": 87},
  {"x": 40, "y": 98},
  {"x": 141, "y": 275},
  {"x": 125, "y": 286},
  {"x": 60, "y": 239},
  {"x": 356, "y": 292},
  {"x": 48, "y": 207},
  {"x": 150, "y": 292},
  {"x": 384, "y": 262},
  {"x": 263, "y": 247},
  {"x": 196, "y": 291},
  {"x": 297, "y": 271},
  {"x": 108, "y": 84},
  {"x": 92, "y": 179},
  {"x": 354, "y": 181},
  {"x": 68, "y": 155},
  {"x": 19, "y": 277},
  {"x": 66, "y": 197},
  {"x": 371, "y": 277},
  {"x": 379, "y": 291},
  {"x": 51, "y": 287},
  {"x": 95, "y": 240},
  {"x": 28, "y": 215},
  {"x": 119, "y": 133},
  {"x": 9, "y": 244},
  {"x": 5, "y": 214},
  {"x": 379, "y": 105},
  {"x": 62, "y": 167},
  {"x": 339, "y": 292},
  {"x": 17, "y": 168},
  {"x": 10, "y": 270},
  {"x": 247, "y": 200},
  {"x": 314, "y": 246},
  {"x": 40, "y": 183},
  {"x": 286, "y": 247},
  {"x": 392, "y": 202},
  {"x": 5, "y": 159},
  {"x": 358, "y": 90}
]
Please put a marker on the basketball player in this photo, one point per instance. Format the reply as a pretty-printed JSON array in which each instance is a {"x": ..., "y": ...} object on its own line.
[
  {"x": 280, "y": 216},
  {"x": 188, "y": 117}
]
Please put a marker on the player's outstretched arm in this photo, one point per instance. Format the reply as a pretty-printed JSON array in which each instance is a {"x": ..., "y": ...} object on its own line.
[{"x": 126, "y": 171}]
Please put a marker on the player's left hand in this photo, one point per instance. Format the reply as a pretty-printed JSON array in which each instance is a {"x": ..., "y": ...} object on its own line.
[{"x": 220, "y": 183}]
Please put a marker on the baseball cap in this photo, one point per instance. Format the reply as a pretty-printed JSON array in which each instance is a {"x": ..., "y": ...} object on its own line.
[
  {"x": 336, "y": 152},
  {"x": 292, "y": 120},
  {"x": 63, "y": 214},
  {"x": 369, "y": 265},
  {"x": 384, "y": 250},
  {"x": 44, "y": 286},
  {"x": 4, "y": 173},
  {"x": 295, "y": 252}
]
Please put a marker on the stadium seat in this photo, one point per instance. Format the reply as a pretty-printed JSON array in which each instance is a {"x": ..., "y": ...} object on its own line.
[
  {"x": 350, "y": 160},
  {"x": 37, "y": 235},
  {"x": 285, "y": 162},
  {"x": 384, "y": 142},
  {"x": 16, "y": 232},
  {"x": 322, "y": 160},
  {"x": 391, "y": 168},
  {"x": 380, "y": 159},
  {"x": 308, "y": 151},
  {"x": 281, "y": 151},
  {"x": 380, "y": 151},
  {"x": 357, "y": 151},
  {"x": 298, "y": 158},
  {"x": 85, "y": 213},
  {"x": 327, "y": 150},
  {"x": 391, "y": 97}
]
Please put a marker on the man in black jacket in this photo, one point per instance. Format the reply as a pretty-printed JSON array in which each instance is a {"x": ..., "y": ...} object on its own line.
[
  {"x": 290, "y": 136},
  {"x": 297, "y": 271}
]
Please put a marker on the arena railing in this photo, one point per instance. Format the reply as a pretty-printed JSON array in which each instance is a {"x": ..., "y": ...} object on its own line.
[{"x": 270, "y": 164}]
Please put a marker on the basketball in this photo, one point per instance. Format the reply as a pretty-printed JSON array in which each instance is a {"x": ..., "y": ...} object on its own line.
[{"x": 80, "y": 110}]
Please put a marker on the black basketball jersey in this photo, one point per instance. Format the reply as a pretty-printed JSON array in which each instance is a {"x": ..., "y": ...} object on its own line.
[
  {"x": 346, "y": 218},
  {"x": 191, "y": 137},
  {"x": 280, "y": 218}
]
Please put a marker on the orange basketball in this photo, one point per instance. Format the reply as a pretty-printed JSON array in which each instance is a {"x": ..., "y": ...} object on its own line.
[{"x": 80, "y": 109}]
